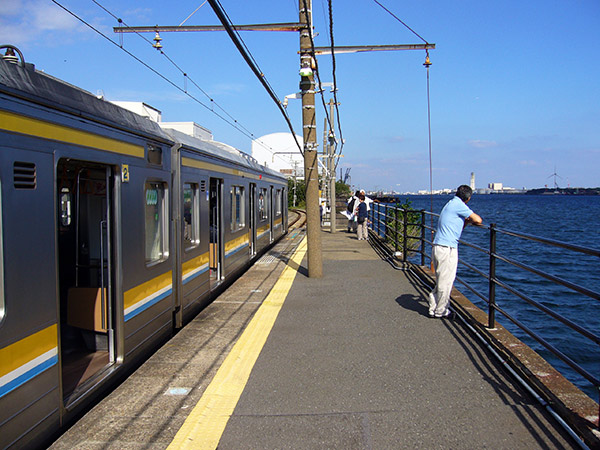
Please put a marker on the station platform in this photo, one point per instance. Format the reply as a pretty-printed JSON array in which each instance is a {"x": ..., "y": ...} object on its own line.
[{"x": 347, "y": 361}]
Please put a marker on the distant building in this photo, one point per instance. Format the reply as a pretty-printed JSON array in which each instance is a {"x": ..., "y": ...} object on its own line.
[
  {"x": 495, "y": 186},
  {"x": 473, "y": 181},
  {"x": 142, "y": 109},
  {"x": 279, "y": 152},
  {"x": 145, "y": 110}
]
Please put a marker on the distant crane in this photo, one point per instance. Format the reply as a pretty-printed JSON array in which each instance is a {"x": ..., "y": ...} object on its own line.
[
  {"x": 555, "y": 175},
  {"x": 346, "y": 178}
]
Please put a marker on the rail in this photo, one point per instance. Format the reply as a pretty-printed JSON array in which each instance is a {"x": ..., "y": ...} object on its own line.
[{"x": 404, "y": 233}]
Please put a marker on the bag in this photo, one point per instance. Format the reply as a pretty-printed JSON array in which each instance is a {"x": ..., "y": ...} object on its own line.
[
  {"x": 361, "y": 219},
  {"x": 351, "y": 205}
]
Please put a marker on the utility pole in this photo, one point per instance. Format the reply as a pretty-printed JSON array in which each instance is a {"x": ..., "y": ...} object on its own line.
[
  {"x": 309, "y": 127},
  {"x": 307, "y": 86}
]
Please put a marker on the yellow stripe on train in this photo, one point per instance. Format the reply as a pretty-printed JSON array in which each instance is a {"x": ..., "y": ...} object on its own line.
[
  {"x": 145, "y": 295},
  {"x": 39, "y": 128},
  {"x": 22, "y": 352}
]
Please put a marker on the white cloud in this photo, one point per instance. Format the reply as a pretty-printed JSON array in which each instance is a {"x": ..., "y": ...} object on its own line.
[
  {"x": 478, "y": 143},
  {"x": 227, "y": 88},
  {"x": 48, "y": 17},
  {"x": 10, "y": 7},
  {"x": 23, "y": 21}
]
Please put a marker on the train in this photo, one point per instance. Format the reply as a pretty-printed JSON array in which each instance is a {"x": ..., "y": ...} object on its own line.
[{"x": 115, "y": 231}]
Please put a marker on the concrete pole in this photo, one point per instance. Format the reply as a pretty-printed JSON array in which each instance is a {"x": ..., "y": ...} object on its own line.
[
  {"x": 331, "y": 167},
  {"x": 311, "y": 168}
]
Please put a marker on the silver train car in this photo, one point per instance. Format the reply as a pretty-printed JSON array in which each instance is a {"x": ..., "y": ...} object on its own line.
[{"x": 113, "y": 234}]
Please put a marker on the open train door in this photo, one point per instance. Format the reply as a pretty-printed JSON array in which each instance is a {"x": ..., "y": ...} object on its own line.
[
  {"x": 216, "y": 231},
  {"x": 86, "y": 280},
  {"x": 252, "y": 219}
]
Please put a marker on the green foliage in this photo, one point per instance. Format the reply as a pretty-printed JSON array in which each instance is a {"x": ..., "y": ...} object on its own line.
[
  {"x": 342, "y": 189},
  {"x": 300, "y": 190},
  {"x": 395, "y": 226}
]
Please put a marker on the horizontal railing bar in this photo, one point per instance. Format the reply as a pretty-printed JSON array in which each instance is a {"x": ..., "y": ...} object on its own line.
[
  {"x": 547, "y": 276},
  {"x": 581, "y": 371},
  {"x": 481, "y": 249},
  {"x": 548, "y": 311},
  {"x": 475, "y": 269},
  {"x": 392, "y": 222},
  {"x": 565, "y": 245},
  {"x": 472, "y": 289}
]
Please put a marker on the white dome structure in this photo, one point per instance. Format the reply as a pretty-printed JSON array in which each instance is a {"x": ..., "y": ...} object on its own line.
[{"x": 278, "y": 151}]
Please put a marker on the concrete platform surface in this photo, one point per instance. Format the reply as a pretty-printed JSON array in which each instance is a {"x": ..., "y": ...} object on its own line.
[{"x": 353, "y": 362}]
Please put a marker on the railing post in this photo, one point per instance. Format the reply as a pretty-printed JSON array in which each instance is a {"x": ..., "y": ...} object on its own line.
[
  {"x": 492, "y": 279},
  {"x": 379, "y": 221},
  {"x": 422, "y": 237},
  {"x": 405, "y": 233},
  {"x": 396, "y": 227},
  {"x": 385, "y": 224}
]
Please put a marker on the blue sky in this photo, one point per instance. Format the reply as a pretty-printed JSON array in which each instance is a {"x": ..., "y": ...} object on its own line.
[{"x": 514, "y": 85}]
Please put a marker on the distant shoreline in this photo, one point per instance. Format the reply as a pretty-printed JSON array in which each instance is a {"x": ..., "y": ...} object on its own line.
[
  {"x": 387, "y": 198},
  {"x": 564, "y": 191}
]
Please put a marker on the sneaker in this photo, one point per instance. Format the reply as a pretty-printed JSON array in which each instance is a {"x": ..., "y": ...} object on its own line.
[
  {"x": 432, "y": 314},
  {"x": 448, "y": 315}
]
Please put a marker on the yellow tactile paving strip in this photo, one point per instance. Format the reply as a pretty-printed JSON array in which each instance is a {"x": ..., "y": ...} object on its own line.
[{"x": 205, "y": 424}]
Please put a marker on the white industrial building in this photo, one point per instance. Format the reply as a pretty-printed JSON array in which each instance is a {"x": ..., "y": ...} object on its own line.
[{"x": 279, "y": 151}]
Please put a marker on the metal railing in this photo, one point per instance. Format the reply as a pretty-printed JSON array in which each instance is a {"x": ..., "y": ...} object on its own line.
[{"x": 405, "y": 231}]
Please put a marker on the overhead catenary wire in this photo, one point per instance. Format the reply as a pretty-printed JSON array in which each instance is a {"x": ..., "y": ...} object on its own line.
[
  {"x": 219, "y": 11},
  {"x": 240, "y": 127},
  {"x": 195, "y": 11},
  {"x": 335, "y": 100},
  {"x": 312, "y": 45},
  {"x": 399, "y": 20},
  {"x": 427, "y": 65}
]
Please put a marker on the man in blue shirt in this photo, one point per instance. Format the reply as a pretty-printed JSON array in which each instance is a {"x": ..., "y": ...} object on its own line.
[{"x": 454, "y": 217}]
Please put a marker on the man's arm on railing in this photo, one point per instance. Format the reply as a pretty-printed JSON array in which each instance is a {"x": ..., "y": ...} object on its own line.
[{"x": 473, "y": 219}]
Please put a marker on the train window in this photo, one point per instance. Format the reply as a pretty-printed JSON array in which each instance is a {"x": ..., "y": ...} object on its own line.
[
  {"x": 278, "y": 202},
  {"x": 191, "y": 222},
  {"x": 238, "y": 208},
  {"x": 262, "y": 205},
  {"x": 154, "y": 155},
  {"x": 156, "y": 223},
  {"x": 65, "y": 207}
]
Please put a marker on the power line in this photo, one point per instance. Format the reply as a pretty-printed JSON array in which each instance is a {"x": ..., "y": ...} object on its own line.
[
  {"x": 312, "y": 45},
  {"x": 396, "y": 17},
  {"x": 337, "y": 110},
  {"x": 186, "y": 76},
  {"x": 195, "y": 11},
  {"x": 218, "y": 9},
  {"x": 242, "y": 130}
]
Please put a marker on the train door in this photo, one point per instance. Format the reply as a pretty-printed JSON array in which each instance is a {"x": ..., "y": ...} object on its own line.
[
  {"x": 284, "y": 210},
  {"x": 252, "y": 219},
  {"x": 85, "y": 258},
  {"x": 216, "y": 230},
  {"x": 271, "y": 211}
]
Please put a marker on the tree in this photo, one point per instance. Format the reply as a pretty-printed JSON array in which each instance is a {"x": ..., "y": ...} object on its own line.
[
  {"x": 342, "y": 190},
  {"x": 299, "y": 188}
]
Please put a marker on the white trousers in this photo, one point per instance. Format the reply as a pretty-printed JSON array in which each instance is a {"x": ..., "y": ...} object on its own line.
[
  {"x": 445, "y": 262},
  {"x": 362, "y": 231}
]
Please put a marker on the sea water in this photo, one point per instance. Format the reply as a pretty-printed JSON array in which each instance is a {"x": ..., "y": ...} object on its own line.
[{"x": 571, "y": 219}]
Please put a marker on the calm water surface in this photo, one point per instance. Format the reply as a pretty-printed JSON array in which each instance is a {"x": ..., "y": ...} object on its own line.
[{"x": 570, "y": 219}]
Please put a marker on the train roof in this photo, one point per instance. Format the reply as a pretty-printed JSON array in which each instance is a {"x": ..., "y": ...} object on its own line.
[
  {"x": 26, "y": 82},
  {"x": 23, "y": 81},
  {"x": 220, "y": 150}
]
